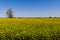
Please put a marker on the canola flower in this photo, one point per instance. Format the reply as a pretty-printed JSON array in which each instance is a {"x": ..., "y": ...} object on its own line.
[{"x": 30, "y": 29}]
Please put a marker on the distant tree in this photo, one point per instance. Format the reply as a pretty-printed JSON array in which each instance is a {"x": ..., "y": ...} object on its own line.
[
  {"x": 10, "y": 13},
  {"x": 50, "y": 17},
  {"x": 55, "y": 17}
]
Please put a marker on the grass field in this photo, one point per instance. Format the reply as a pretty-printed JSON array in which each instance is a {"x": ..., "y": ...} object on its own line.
[{"x": 30, "y": 29}]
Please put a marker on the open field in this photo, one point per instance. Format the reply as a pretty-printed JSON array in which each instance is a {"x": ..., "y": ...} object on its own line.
[{"x": 30, "y": 29}]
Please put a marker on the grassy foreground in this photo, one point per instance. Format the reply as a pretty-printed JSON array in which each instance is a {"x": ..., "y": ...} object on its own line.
[{"x": 30, "y": 29}]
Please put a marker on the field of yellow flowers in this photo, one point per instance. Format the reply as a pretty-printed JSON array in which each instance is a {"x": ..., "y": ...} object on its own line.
[{"x": 30, "y": 29}]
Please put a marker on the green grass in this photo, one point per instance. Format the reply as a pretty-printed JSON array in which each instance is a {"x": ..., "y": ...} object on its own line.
[{"x": 30, "y": 29}]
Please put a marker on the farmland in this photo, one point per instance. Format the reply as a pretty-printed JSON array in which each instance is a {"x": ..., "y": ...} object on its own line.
[{"x": 30, "y": 29}]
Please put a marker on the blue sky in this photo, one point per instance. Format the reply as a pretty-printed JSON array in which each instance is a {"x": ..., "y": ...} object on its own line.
[{"x": 31, "y": 8}]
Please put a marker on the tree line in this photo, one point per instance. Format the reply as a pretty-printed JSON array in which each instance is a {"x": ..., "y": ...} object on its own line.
[{"x": 10, "y": 14}]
